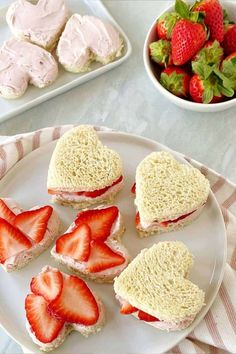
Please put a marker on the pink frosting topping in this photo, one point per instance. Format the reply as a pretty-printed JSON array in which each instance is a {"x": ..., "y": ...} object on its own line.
[
  {"x": 22, "y": 63},
  {"x": 86, "y": 34},
  {"x": 41, "y": 23}
]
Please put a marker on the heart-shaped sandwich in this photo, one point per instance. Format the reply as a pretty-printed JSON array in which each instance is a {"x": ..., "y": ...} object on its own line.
[
  {"x": 40, "y": 23},
  {"x": 169, "y": 194},
  {"x": 154, "y": 287},
  {"x": 25, "y": 234},
  {"x": 23, "y": 63},
  {"x": 86, "y": 39},
  {"x": 83, "y": 171},
  {"x": 58, "y": 304},
  {"x": 91, "y": 247}
]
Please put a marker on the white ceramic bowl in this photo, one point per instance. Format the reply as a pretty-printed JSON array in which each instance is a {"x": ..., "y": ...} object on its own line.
[{"x": 230, "y": 6}]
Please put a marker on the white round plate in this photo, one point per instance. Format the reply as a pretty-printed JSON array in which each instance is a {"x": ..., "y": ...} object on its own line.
[{"x": 205, "y": 237}]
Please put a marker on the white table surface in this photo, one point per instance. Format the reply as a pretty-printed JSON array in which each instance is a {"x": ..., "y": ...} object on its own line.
[{"x": 125, "y": 99}]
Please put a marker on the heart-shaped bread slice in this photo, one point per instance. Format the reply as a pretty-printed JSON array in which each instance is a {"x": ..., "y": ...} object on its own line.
[
  {"x": 83, "y": 171},
  {"x": 58, "y": 304},
  {"x": 155, "y": 287},
  {"x": 40, "y": 23},
  {"x": 86, "y": 39},
  {"x": 92, "y": 247},
  {"x": 169, "y": 194},
  {"x": 23, "y": 63},
  {"x": 24, "y": 235}
]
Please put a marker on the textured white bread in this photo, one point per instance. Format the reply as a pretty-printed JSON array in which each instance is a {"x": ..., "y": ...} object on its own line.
[
  {"x": 167, "y": 189},
  {"x": 81, "y": 163},
  {"x": 155, "y": 282},
  {"x": 69, "y": 327}
]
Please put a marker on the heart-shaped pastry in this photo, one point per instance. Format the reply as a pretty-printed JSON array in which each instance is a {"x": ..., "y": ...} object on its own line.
[
  {"x": 91, "y": 247},
  {"x": 23, "y": 63},
  {"x": 58, "y": 304},
  {"x": 40, "y": 23},
  {"x": 83, "y": 171},
  {"x": 24, "y": 235},
  {"x": 85, "y": 39},
  {"x": 154, "y": 287},
  {"x": 169, "y": 194}
]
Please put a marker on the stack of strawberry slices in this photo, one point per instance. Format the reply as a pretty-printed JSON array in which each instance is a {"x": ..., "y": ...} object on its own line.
[{"x": 197, "y": 47}]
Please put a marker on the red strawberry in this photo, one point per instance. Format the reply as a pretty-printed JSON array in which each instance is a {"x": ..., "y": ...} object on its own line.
[
  {"x": 33, "y": 223},
  {"x": 47, "y": 284},
  {"x": 176, "y": 80},
  {"x": 205, "y": 91},
  {"x": 6, "y": 213},
  {"x": 76, "y": 303},
  {"x": 102, "y": 257},
  {"x": 211, "y": 54},
  {"x": 127, "y": 309},
  {"x": 45, "y": 327},
  {"x": 12, "y": 241},
  {"x": 75, "y": 244},
  {"x": 133, "y": 189},
  {"x": 99, "y": 192},
  {"x": 146, "y": 317},
  {"x": 160, "y": 52},
  {"x": 214, "y": 17},
  {"x": 229, "y": 43},
  {"x": 187, "y": 39},
  {"x": 228, "y": 68},
  {"x": 165, "y": 24},
  {"x": 137, "y": 219},
  {"x": 100, "y": 221}
]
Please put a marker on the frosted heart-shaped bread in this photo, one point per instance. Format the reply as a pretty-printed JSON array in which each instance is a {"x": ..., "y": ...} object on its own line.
[
  {"x": 155, "y": 282},
  {"x": 85, "y": 39},
  {"x": 40, "y": 23},
  {"x": 23, "y": 63},
  {"x": 167, "y": 189},
  {"x": 80, "y": 162}
]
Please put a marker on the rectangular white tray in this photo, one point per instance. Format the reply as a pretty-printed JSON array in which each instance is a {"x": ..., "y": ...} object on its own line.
[{"x": 65, "y": 80}]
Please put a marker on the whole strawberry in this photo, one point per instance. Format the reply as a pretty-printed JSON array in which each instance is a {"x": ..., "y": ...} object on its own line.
[
  {"x": 214, "y": 17},
  {"x": 228, "y": 67},
  {"x": 211, "y": 54},
  {"x": 229, "y": 42},
  {"x": 165, "y": 24},
  {"x": 175, "y": 80},
  {"x": 187, "y": 39},
  {"x": 160, "y": 52}
]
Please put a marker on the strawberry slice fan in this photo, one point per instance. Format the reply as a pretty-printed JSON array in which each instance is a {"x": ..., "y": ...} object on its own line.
[{"x": 22, "y": 232}]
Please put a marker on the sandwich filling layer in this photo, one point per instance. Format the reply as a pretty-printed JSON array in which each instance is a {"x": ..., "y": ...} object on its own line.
[{"x": 115, "y": 187}]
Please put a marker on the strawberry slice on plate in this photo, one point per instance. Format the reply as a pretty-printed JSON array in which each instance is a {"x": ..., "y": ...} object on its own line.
[
  {"x": 47, "y": 284},
  {"x": 127, "y": 308},
  {"x": 100, "y": 221},
  {"x": 75, "y": 244},
  {"x": 76, "y": 303},
  {"x": 12, "y": 241},
  {"x": 6, "y": 213},
  {"x": 146, "y": 317},
  {"x": 45, "y": 327},
  {"x": 102, "y": 257},
  {"x": 33, "y": 223}
]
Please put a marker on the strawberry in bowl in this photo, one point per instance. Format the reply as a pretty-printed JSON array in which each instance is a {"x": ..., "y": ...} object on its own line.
[{"x": 186, "y": 51}]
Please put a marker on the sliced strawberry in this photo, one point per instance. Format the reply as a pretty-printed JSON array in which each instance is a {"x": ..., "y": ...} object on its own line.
[
  {"x": 137, "y": 219},
  {"x": 133, "y": 189},
  {"x": 100, "y": 221},
  {"x": 127, "y": 309},
  {"x": 6, "y": 213},
  {"x": 76, "y": 303},
  {"x": 47, "y": 284},
  {"x": 102, "y": 257},
  {"x": 146, "y": 317},
  {"x": 12, "y": 241},
  {"x": 165, "y": 223},
  {"x": 34, "y": 222},
  {"x": 75, "y": 244},
  {"x": 99, "y": 192},
  {"x": 46, "y": 328}
]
